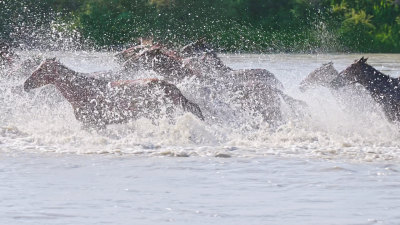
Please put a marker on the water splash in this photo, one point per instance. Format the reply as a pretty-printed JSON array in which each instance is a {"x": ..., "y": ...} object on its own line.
[{"x": 336, "y": 126}]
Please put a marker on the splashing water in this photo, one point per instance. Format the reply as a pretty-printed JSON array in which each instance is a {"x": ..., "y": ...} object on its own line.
[{"x": 342, "y": 125}]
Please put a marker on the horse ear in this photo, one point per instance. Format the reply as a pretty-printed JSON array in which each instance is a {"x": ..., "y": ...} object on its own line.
[
  {"x": 363, "y": 60},
  {"x": 56, "y": 60}
]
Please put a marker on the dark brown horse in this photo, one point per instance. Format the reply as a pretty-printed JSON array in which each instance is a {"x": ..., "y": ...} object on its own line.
[
  {"x": 98, "y": 102},
  {"x": 384, "y": 89}
]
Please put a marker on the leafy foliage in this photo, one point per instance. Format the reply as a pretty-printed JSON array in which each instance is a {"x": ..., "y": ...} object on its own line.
[{"x": 230, "y": 25}]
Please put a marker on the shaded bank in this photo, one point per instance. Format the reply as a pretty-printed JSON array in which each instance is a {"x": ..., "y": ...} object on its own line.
[{"x": 246, "y": 25}]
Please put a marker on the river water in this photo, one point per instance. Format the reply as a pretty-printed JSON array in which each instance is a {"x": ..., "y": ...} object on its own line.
[{"x": 339, "y": 164}]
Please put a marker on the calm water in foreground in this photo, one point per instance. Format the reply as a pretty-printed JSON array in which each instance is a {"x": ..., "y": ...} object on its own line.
[{"x": 338, "y": 165}]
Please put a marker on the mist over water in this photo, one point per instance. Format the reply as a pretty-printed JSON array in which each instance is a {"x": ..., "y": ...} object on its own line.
[{"x": 345, "y": 125}]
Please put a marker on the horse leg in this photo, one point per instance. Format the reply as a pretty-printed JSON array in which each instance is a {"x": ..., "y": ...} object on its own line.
[
  {"x": 189, "y": 106},
  {"x": 175, "y": 95}
]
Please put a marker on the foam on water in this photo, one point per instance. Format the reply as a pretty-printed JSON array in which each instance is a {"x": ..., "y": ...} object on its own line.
[{"x": 337, "y": 126}]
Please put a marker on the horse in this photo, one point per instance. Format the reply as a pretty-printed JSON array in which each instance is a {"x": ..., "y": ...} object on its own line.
[
  {"x": 164, "y": 62},
  {"x": 382, "y": 88},
  {"x": 196, "y": 48},
  {"x": 130, "y": 52},
  {"x": 322, "y": 76},
  {"x": 137, "y": 50},
  {"x": 255, "y": 89},
  {"x": 252, "y": 76},
  {"x": 144, "y": 44},
  {"x": 174, "y": 67},
  {"x": 206, "y": 64},
  {"x": 99, "y": 102}
]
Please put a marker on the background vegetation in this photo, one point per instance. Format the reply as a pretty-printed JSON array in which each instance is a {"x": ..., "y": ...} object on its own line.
[{"x": 229, "y": 25}]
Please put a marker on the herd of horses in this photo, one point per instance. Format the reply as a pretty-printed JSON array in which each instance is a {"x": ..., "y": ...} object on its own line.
[{"x": 98, "y": 102}]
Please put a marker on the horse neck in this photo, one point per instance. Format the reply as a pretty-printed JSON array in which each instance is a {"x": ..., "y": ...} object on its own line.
[
  {"x": 77, "y": 87},
  {"x": 379, "y": 84},
  {"x": 376, "y": 78}
]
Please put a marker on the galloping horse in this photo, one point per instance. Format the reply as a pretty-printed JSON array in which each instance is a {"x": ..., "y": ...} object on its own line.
[
  {"x": 199, "y": 55},
  {"x": 196, "y": 48},
  {"x": 319, "y": 77},
  {"x": 194, "y": 59},
  {"x": 145, "y": 44},
  {"x": 166, "y": 63},
  {"x": 98, "y": 102},
  {"x": 257, "y": 90},
  {"x": 174, "y": 67},
  {"x": 383, "y": 89}
]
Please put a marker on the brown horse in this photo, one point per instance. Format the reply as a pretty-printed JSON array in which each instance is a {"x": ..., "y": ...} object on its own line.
[
  {"x": 254, "y": 76},
  {"x": 130, "y": 52},
  {"x": 256, "y": 89},
  {"x": 163, "y": 61},
  {"x": 199, "y": 54},
  {"x": 98, "y": 102},
  {"x": 206, "y": 64},
  {"x": 196, "y": 48},
  {"x": 384, "y": 89},
  {"x": 193, "y": 60},
  {"x": 174, "y": 67},
  {"x": 319, "y": 77}
]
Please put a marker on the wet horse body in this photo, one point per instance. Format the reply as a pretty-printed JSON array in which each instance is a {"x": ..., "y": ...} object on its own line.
[
  {"x": 98, "y": 102},
  {"x": 255, "y": 90},
  {"x": 384, "y": 89}
]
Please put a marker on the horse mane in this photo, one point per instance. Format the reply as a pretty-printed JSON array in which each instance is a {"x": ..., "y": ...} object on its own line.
[
  {"x": 80, "y": 78},
  {"x": 372, "y": 70}
]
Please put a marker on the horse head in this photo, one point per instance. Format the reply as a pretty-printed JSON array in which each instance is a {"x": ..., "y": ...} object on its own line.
[
  {"x": 135, "y": 51},
  {"x": 155, "y": 58},
  {"x": 196, "y": 48},
  {"x": 355, "y": 73},
  {"x": 321, "y": 76},
  {"x": 46, "y": 73}
]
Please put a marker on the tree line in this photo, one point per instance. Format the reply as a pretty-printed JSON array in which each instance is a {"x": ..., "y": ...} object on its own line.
[{"x": 229, "y": 25}]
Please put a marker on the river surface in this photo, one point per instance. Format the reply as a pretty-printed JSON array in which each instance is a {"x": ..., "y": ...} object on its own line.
[{"x": 339, "y": 164}]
